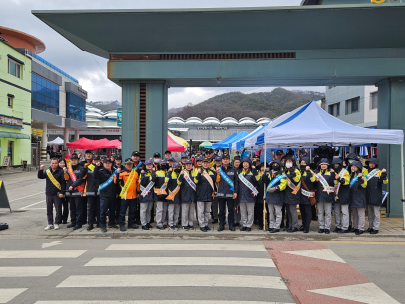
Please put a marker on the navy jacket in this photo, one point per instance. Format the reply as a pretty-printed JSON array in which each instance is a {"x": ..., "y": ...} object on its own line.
[
  {"x": 245, "y": 194},
  {"x": 223, "y": 187},
  {"x": 50, "y": 188},
  {"x": 204, "y": 189},
  {"x": 103, "y": 175}
]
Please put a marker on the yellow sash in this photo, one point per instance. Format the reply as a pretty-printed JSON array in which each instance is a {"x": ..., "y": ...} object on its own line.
[
  {"x": 91, "y": 167},
  {"x": 171, "y": 196},
  {"x": 124, "y": 190},
  {"x": 53, "y": 180},
  {"x": 209, "y": 179},
  {"x": 162, "y": 190}
]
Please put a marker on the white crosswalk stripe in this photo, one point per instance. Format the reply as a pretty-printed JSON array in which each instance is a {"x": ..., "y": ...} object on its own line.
[
  {"x": 7, "y": 294},
  {"x": 192, "y": 247},
  {"x": 22, "y": 271},
  {"x": 182, "y": 261},
  {"x": 40, "y": 254},
  {"x": 161, "y": 302}
]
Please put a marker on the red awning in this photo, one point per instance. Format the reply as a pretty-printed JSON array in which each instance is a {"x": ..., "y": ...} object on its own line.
[{"x": 174, "y": 146}]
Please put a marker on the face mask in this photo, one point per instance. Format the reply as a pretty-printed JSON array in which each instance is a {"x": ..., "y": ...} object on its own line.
[
  {"x": 336, "y": 167},
  {"x": 275, "y": 168},
  {"x": 156, "y": 160},
  {"x": 288, "y": 165},
  {"x": 303, "y": 167},
  {"x": 351, "y": 160},
  {"x": 177, "y": 170}
]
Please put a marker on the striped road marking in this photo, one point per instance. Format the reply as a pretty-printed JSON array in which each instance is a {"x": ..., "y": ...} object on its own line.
[
  {"x": 182, "y": 261},
  {"x": 161, "y": 302},
  {"x": 179, "y": 280},
  {"x": 361, "y": 243},
  {"x": 40, "y": 254},
  {"x": 7, "y": 294},
  {"x": 23, "y": 271},
  {"x": 193, "y": 247}
]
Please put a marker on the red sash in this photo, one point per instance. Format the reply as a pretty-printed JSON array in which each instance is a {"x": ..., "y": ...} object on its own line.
[{"x": 74, "y": 178}]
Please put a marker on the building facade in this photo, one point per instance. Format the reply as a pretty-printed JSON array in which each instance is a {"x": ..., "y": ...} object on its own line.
[
  {"x": 15, "y": 105},
  {"x": 357, "y": 105}
]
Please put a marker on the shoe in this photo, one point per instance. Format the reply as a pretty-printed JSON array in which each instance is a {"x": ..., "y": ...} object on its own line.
[
  {"x": 231, "y": 228},
  {"x": 358, "y": 232},
  {"x": 214, "y": 221},
  {"x": 139, "y": 223},
  {"x": 71, "y": 225},
  {"x": 321, "y": 230},
  {"x": 185, "y": 227},
  {"x": 64, "y": 222},
  {"x": 122, "y": 228},
  {"x": 172, "y": 227},
  {"x": 221, "y": 228},
  {"x": 274, "y": 230},
  {"x": 374, "y": 232},
  {"x": 236, "y": 224},
  {"x": 56, "y": 227},
  {"x": 327, "y": 231},
  {"x": 369, "y": 230},
  {"x": 336, "y": 230},
  {"x": 133, "y": 226},
  {"x": 48, "y": 227},
  {"x": 175, "y": 226},
  {"x": 260, "y": 227},
  {"x": 164, "y": 226},
  {"x": 350, "y": 228},
  {"x": 160, "y": 227},
  {"x": 269, "y": 229},
  {"x": 207, "y": 228},
  {"x": 301, "y": 228},
  {"x": 190, "y": 227},
  {"x": 354, "y": 230},
  {"x": 98, "y": 225},
  {"x": 90, "y": 227},
  {"x": 285, "y": 228},
  {"x": 203, "y": 229},
  {"x": 243, "y": 228},
  {"x": 306, "y": 230},
  {"x": 248, "y": 229},
  {"x": 77, "y": 227},
  {"x": 282, "y": 225},
  {"x": 113, "y": 226},
  {"x": 292, "y": 230},
  {"x": 149, "y": 225},
  {"x": 145, "y": 227}
]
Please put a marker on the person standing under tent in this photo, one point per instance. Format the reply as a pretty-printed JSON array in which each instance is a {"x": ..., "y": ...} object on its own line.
[
  {"x": 307, "y": 192},
  {"x": 88, "y": 160},
  {"x": 173, "y": 199},
  {"x": 64, "y": 199},
  {"x": 375, "y": 179},
  {"x": 93, "y": 200},
  {"x": 292, "y": 193},
  {"x": 228, "y": 187},
  {"x": 325, "y": 197},
  {"x": 214, "y": 206},
  {"x": 236, "y": 209},
  {"x": 188, "y": 188},
  {"x": 206, "y": 189},
  {"x": 209, "y": 153},
  {"x": 55, "y": 185},
  {"x": 248, "y": 178},
  {"x": 160, "y": 194},
  {"x": 342, "y": 196},
  {"x": 276, "y": 184},
  {"x": 76, "y": 178},
  {"x": 129, "y": 182},
  {"x": 358, "y": 196},
  {"x": 258, "y": 212},
  {"x": 108, "y": 188},
  {"x": 136, "y": 159}
]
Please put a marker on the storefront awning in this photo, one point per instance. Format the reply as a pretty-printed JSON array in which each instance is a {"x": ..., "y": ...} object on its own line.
[{"x": 14, "y": 135}]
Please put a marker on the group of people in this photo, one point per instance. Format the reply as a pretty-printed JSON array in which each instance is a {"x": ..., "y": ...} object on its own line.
[{"x": 234, "y": 193}]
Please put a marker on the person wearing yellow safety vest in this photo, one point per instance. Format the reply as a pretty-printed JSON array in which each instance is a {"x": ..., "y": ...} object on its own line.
[
  {"x": 342, "y": 196},
  {"x": 147, "y": 181},
  {"x": 292, "y": 193},
  {"x": 358, "y": 197},
  {"x": 325, "y": 197},
  {"x": 307, "y": 191},
  {"x": 188, "y": 179},
  {"x": 173, "y": 199},
  {"x": 129, "y": 182},
  {"x": 160, "y": 194},
  {"x": 375, "y": 179}
]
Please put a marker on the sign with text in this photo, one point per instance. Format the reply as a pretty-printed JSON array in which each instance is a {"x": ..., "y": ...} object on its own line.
[
  {"x": 6, "y": 161},
  {"x": 119, "y": 117},
  {"x": 11, "y": 121},
  {"x": 37, "y": 132},
  {"x": 212, "y": 128}
]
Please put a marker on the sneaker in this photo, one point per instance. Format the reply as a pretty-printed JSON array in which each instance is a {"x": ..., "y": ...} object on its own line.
[
  {"x": 160, "y": 227},
  {"x": 133, "y": 226},
  {"x": 243, "y": 229},
  {"x": 90, "y": 227},
  {"x": 248, "y": 229},
  {"x": 207, "y": 228},
  {"x": 149, "y": 225},
  {"x": 221, "y": 228},
  {"x": 190, "y": 227},
  {"x": 145, "y": 227},
  {"x": 369, "y": 230},
  {"x": 173, "y": 228},
  {"x": 185, "y": 227},
  {"x": 77, "y": 227},
  {"x": 103, "y": 229},
  {"x": 374, "y": 231},
  {"x": 122, "y": 228},
  {"x": 71, "y": 225},
  {"x": 48, "y": 227},
  {"x": 231, "y": 228},
  {"x": 203, "y": 229},
  {"x": 56, "y": 227}
]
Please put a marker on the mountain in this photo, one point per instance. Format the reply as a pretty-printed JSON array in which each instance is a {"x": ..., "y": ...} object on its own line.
[
  {"x": 254, "y": 105},
  {"x": 105, "y": 106}
]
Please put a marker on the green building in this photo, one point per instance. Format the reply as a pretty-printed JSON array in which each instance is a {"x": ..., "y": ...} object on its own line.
[{"x": 15, "y": 105}]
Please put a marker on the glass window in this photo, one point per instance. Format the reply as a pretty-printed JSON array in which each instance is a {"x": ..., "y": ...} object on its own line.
[
  {"x": 374, "y": 100},
  {"x": 14, "y": 68},
  {"x": 352, "y": 105},
  {"x": 334, "y": 109}
]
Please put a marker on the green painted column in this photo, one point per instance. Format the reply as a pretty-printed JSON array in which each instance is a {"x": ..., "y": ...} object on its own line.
[
  {"x": 130, "y": 118},
  {"x": 156, "y": 117},
  {"x": 391, "y": 109}
]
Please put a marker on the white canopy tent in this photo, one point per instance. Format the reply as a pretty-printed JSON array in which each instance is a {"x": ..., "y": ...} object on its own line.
[{"x": 56, "y": 141}]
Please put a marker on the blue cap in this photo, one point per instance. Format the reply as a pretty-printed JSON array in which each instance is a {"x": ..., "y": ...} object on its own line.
[
  {"x": 200, "y": 158},
  {"x": 188, "y": 161},
  {"x": 218, "y": 158},
  {"x": 176, "y": 164},
  {"x": 149, "y": 162},
  {"x": 162, "y": 162}
]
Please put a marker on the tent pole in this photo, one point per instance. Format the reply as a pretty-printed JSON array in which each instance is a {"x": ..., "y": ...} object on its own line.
[
  {"x": 264, "y": 201},
  {"x": 402, "y": 183}
]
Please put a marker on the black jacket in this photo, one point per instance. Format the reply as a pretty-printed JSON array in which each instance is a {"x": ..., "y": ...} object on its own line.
[
  {"x": 144, "y": 180},
  {"x": 172, "y": 184},
  {"x": 103, "y": 175},
  {"x": 277, "y": 197},
  {"x": 81, "y": 175},
  {"x": 223, "y": 187},
  {"x": 374, "y": 188},
  {"x": 260, "y": 188},
  {"x": 50, "y": 188},
  {"x": 293, "y": 174},
  {"x": 160, "y": 180},
  {"x": 323, "y": 196},
  {"x": 358, "y": 192},
  {"x": 308, "y": 178},
  {"x": 245, "y": 194},
  {"x": 204, "y": 189},
  {"x": 188, "y": 194},
  {"x": 92, "y": 183}
]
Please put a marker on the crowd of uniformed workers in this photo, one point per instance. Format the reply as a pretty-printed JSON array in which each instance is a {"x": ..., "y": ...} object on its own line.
[{"x": 233, "y": 194}]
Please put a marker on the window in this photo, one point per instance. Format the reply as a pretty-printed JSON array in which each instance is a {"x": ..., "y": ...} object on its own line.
[
  {"x": 10, "y": 102},
  {"x": 352, "y": 105},
  {"x": 374, "y": 100},
  {"x": 75, "y": 107},
  {"x": 14, "y": 68},
  {"x": 334, "y": 109},
  {"x": 44, "y": 95}
]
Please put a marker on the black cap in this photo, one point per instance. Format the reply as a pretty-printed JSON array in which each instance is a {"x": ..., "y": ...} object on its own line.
[
  {"x": 136, "y": 153},
  {"x": 157, "y": 154},
  {"x": 279, "y": 152},
  {"x": 107, "y": 159},
  {"x": 218, "y": 158},
  {"x": 209, "y": 151},
  {"x": 200, "y": 158},
  {"x": 170, "y": 159},
  {"x": 119, "y": 157},
  {"x": 206, "y": 160},
  {"x": 184, "y": 156},
  {"x": 89, "y": 151},
  {"x": 96, "y": 157},
  {"x": 74, "y": 156},
  {"x": 225, "y": 155},
  {"x": 168, "y": 152},
  {"x": 128, "y": 161}
]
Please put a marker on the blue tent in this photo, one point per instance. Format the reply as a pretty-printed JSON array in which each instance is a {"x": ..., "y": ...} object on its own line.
[
  {"x": 235, "y": 139},
  {"x": 217, "y": 145}
]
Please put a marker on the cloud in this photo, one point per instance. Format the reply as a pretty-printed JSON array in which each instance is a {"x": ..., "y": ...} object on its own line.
[{"x": 90, "y": 69}]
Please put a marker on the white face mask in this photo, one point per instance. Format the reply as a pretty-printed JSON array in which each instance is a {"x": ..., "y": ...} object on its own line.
[
  {"x": 156, "y": 160},
  {"x": 288, "y": 165},
  {"x": 351, "y": 160}
]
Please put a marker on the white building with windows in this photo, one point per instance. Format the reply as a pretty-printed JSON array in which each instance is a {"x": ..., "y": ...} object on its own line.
[{"x": 356, "y": 105}]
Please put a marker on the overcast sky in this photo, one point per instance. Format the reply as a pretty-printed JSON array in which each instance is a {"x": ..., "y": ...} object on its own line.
[{"x": 90, "y": 69}]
